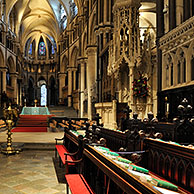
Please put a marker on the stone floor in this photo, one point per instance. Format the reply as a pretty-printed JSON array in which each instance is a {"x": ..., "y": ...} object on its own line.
[
  {"x": 30, "y": 172},
  {"x": 33, "y": 171},
  {"x": 34, "y": 137}
]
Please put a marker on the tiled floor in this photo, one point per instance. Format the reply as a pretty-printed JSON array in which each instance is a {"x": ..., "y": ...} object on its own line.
[
  {"x": 32, "y": 137},
  {"x": 32, "y": 171}
]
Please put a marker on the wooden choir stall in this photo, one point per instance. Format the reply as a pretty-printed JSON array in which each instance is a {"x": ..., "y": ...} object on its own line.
[{"x": 128, "y": 161}]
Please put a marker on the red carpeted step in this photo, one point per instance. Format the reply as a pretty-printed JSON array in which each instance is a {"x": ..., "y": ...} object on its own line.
[
  {"x": 32, "y": 123},
  {"x": 35, "y": 117},
  {"x": 29, "y": 129}
]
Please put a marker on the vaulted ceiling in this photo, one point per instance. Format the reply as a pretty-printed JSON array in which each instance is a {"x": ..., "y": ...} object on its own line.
[{"x": 36, "y": 18}]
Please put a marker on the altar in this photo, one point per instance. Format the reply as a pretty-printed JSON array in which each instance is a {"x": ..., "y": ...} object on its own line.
[{"x": 35, "y": 111}]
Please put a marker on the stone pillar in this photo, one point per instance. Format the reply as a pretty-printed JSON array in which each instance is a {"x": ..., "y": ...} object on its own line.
[
  {"x": 114, "y": 109},
  {"x": 179, "y": 11},
  {"x": 120, "y": 87},
  {"x": 82, "y": 62},
  {"x": 69, "y": 87},
  {"x": 61, "y": 85},
  {"x": 172, "y": 14},
  {"x": 131, "y": 79},
  {"x": 4, "y": 80},
  {"x": 91, "y": 75},
  {"x": 74, "y": 79},
  {"x": 14, "y": 77}
]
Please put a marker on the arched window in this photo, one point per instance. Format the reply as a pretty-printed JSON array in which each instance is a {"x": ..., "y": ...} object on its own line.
[
  {"x": 73, "y": 7},
  {"x": 43, "y": 95},
  {"x": 8, "y": 78},
  {"x": 63, "y": 13},
  {"x": 30, "y": 49},
  {"x": 53, "y": 50},
  {"x": 42, "y": 49}
]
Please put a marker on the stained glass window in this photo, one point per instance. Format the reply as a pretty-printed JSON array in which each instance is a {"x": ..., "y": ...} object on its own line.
[
  {"x": 42, "y": 49},
  {"x": 63, "y": 13},
  {"x": 30, "y": 50},
  {"x": 43, "y": 95},
  {"x": 53, "y": 50},
  {"x": 64, "y": 24},
  {"x": 73, "y": 8}
]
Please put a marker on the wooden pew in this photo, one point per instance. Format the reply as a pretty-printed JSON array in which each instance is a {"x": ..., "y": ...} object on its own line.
[
  {"x": 77, "y": 184},
  {"x": 171, "y": 161},
  {"x": 107, "y": 176},
  {"x": 104, "y": 175},
  {"x": 116, "y": 139},
  {"x": 66, "y": 157}
]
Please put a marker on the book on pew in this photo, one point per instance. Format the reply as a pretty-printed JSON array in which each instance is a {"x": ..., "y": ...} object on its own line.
[
  {"x": 164, "y": 184},
  {"x": 139, "y": 169},
  {"x": 165, "y": 191},
  {"x": 124, "y": 160}
]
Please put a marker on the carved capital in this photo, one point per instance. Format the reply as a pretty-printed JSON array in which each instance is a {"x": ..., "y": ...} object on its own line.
[
  {"x": 82, "y": 60},
  {"x": 125, "y": 3},
  {"x": 91, "y": 50}
]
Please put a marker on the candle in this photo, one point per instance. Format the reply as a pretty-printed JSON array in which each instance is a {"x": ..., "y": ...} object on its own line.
[{"x": 167, "y": 107}]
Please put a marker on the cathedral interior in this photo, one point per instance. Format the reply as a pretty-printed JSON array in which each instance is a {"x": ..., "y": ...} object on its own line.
[{"x": 125, "y": 65}]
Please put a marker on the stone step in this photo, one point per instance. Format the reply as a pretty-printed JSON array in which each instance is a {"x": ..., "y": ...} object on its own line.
[{"x": 30, "y": 146}]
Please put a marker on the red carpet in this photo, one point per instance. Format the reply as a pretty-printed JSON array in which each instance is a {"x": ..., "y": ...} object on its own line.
[
  {"x": 29, "y": 129},
  {"x": 32, "y": 123}
]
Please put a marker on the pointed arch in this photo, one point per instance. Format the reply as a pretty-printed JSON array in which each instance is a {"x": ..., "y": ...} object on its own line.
[
  {"x": 2, "y": 59},
  {"x": 64, "y": 64},
  {"x": 181, "y": 172},
  {"x": 161, "y": 164},
  {"x": 84, "y": 45},
  {"x": 92, "y": 32},
  {"x": 11, "y": 64},
  {"x": 190, "y": 176},
  {"x": 74, "y": 55},
  {"x": 167, "y": 166}
]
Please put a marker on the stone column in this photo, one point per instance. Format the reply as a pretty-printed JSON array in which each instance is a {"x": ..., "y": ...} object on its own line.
[
  {"x": 179, "y": 11},
  {"x": 14, "y": 77},
  {"x": 91, "y": 75},
  {"x": 74, "y": 79},
  {"x": 131, "y": 79},
  {"x": 61, "y": 85},
  {"x": 4, "y": 79},
  {"x": 82, "y": 62},
  {"x": 69, "y": 87},
  {"x": 172, "y": 14},
  {"x": 114, "y": 109}
]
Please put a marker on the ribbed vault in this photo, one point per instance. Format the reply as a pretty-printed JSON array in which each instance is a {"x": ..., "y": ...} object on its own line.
[{"x": 37, "y": 18}]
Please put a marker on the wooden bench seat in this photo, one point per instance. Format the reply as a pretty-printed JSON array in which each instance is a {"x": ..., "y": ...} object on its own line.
[
  {"x": 62, "y": 151},
  {"x": 77, "y": 184},
  {"x": 69, "y": 159}
]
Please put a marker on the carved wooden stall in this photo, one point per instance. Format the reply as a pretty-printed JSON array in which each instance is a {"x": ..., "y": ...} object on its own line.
[
  {"x": 171, "y": 161},
  {"x": 116, "y": 139},
  {"x": 106, "y": 176}
]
